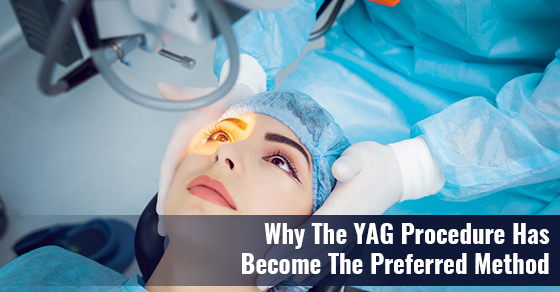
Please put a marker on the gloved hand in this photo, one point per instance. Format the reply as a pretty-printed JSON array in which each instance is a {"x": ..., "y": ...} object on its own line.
[
  {"x": 371, "y": 178},
  {"x": 250, "y": 81}
]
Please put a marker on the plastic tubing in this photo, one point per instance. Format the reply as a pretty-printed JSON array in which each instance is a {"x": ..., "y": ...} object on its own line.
[{"x": 332, "y": 17}]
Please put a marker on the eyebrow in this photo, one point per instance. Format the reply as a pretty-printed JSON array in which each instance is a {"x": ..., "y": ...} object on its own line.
[
  {"x": 237, "y": 122},
  {"x": 273, "y": 137}
]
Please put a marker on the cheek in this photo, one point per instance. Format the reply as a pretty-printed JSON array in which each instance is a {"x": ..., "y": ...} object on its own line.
[{"x": 274, "y": 194}]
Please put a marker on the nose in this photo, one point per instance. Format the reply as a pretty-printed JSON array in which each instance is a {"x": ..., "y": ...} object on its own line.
[
  {"x": 230, "y": 163},
  {"x": 226, "y": 155}
]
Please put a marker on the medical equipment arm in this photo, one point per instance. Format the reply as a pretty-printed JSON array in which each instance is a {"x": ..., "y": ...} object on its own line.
[
  {"x": 484, "y": 148},
  {"x": 274, "y": 38},
  {"x": 121, "y": 26}
]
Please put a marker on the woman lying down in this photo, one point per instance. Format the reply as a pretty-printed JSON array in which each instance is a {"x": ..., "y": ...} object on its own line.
[{"x": 270, "y": 154}]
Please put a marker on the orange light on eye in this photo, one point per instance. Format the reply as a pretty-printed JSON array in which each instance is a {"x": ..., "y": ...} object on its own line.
[{"x": 390, "y": 3}]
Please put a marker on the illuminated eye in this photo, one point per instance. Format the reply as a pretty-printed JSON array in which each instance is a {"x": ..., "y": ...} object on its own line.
[
  {"x": 280, "y": 162},
  {"x": 220, "y": 137}
]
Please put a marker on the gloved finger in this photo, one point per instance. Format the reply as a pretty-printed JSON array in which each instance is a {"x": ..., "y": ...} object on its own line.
[
  {"x": 176, "y": 150},
  {"x": 179, "y": 144},
  {"x": 176, "y": 93},
  {"x": 353, "y": 197},
  {"x": 339, "y": 201},
  {"x": 350, "y": 163},
  {"x": 363, "y": 188}
]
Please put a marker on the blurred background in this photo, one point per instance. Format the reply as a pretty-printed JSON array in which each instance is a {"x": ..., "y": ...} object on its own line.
[{"x": 88, "y": 152}]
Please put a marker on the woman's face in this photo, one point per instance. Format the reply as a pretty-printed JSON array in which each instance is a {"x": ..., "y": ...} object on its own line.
[{"x": 251, "y": 164}]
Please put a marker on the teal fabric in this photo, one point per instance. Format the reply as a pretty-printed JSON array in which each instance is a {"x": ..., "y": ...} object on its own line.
[
  {"x": 52, "y": 268},
  {"x": 479, "y": 80},
  {"x": 263, "y": 35},
  {"x": 458, "y": 289}
]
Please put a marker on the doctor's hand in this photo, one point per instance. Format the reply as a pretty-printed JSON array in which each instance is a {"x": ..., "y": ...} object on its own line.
[
  {"x": 369, "y": 181},
  {"x": 371, "y": 178},
  {"x": 250, "y": 81}
]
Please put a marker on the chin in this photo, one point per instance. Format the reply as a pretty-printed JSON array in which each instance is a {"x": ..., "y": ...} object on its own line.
[{"x": 203, "y": 208}]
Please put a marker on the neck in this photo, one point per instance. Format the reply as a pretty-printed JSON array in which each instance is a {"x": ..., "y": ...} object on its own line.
[{"x": 178, "y": 268}]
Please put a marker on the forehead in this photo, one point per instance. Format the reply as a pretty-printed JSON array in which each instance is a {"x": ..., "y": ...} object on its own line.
[
  {"x": 259, "y": 124},
  {"x": 262, "y": 122}
]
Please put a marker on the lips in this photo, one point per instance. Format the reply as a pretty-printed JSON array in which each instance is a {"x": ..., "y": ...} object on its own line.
[{"x": 212, "y": 191}]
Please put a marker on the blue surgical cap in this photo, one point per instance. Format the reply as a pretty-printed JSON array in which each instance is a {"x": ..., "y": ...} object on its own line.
[{"x": 311, "y": 123}]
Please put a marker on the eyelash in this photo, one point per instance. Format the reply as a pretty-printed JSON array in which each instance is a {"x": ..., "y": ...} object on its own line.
[
  {"x": 214, "y": 130},
  {"x": 280, "y": 153},
  {"x": 288, "y": 159}
]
